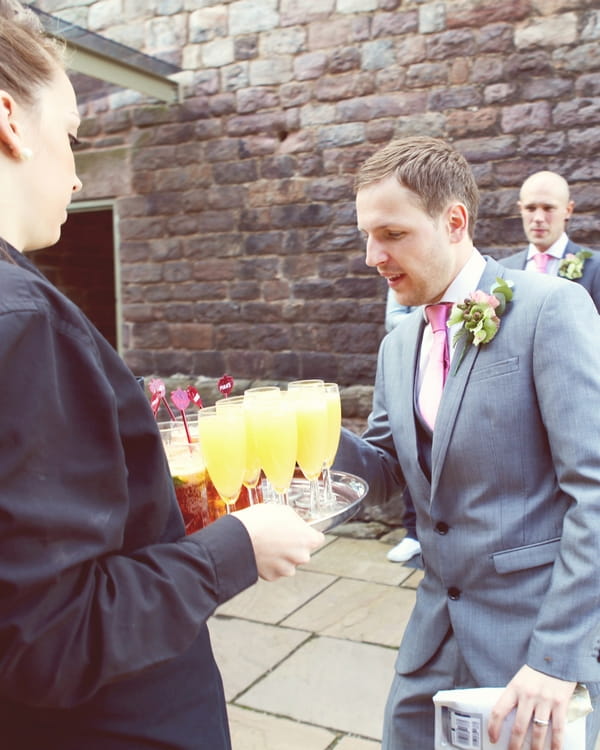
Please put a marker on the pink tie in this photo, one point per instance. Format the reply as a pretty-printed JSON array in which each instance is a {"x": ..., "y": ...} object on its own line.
[
  {"x": 437, "y": 367},
  {"x": 541, "y": 262}
]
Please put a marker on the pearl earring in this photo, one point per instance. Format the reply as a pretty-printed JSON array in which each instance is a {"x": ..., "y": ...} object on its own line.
[{"x": 25, "y": 153}]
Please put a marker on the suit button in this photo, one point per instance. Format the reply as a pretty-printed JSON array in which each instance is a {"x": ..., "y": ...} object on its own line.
[
  {"x": 454, "y": 593},
  {"x": 442, "y": 528}
]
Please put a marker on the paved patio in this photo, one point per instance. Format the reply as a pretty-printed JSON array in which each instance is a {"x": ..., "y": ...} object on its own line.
[{"x": 307, "y": 661}]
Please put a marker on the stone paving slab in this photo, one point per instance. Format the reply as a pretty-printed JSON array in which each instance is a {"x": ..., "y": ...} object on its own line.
[
  {"x": 354, "y": 743},
  {"x": 358, "y": 611},
  {"x": 272, "y": 602},
  {"x": 258, "y": 731},
  {"x": 359, "y": 558},
  {"x": 246, "y": 650},
  {"x": 336, "y": 684}
]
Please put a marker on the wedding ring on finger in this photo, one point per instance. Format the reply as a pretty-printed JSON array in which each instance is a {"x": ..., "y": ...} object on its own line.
[{"x": 540, "y": 722}]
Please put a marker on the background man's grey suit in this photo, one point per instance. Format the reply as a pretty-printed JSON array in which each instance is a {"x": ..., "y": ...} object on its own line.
[{"x": 590, "y": 279}]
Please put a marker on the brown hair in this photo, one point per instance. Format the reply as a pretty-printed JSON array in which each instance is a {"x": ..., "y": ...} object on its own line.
[
  {"x": 431, "y": 168},
  {"x": 29, "y": 58}
]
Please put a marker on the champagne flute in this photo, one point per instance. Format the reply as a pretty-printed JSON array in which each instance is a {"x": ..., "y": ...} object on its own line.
[
  {"x": 334, "y": 426},
  {"x": 223, "y": 445},
  {"x": 252, "y": 473},
  {"x": 272, "y": 420},
  {"x": 311, "y": 419}
]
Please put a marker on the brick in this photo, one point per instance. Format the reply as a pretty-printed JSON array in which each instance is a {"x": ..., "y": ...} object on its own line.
[
  {"x": 341, "y": 135},
  {"x": 497, "y": 37},
  {"x": 457, "y": 96},
  {"x": 267, "y": 193},
  {"x": 270, "y": 71},
  {"x": 499, "y": 92},
  {"x": 246, "y": 47},
  {"x": 309, "y": 66},
  {"x": 214, "y": 269},
  {"x": 523, "y": 117},
  {"x": 344, "y": 59},
  {"x": 588, "y": 84},
  {"x": 486, "y": 12},
  {"x": 343, "y": 86},
  {"x": 255, "y": 98},
  {"x": 577, "y": 112},
  {"x": 432, "y": 17},
  {"x": 466, "y": 122},
  {"x": 543, "y": 144},
  {"x": 262, "y": 123},
  {"x": 236, "y": 172},
  {"x": 547, "y": 32},
  {"x": 378, "y": 54},
  {"x": 450, "y": 44},
  {"x": 546, "y": 88},
  {"x": 584, "y": 141},
  {"x": 426, "y": 74},
  {"x": 286, "y": 41},
  {"x": 247, "y": 16},
  {"x": 257, "y": 145},
  {"x": 235, "y": 76},
  {"x": 487, "y": 149},
  {"x": 330, "y": 190},
  {"x": 191, "y": 336},
  {"x": 394, "y": 24},
  {"x": 207, "y": 23},
  {"x": 304, "y": 11}
]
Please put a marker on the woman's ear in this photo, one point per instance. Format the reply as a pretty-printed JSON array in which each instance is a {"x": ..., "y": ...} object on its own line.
[{"x": 10, "y": 141}]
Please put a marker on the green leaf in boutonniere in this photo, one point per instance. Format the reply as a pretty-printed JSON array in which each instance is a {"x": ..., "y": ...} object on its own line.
[
  {"x": 571, "y": 266},
  {"x": 479, "y": 316}
]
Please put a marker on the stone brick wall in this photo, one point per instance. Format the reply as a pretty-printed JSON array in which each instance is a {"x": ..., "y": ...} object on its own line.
[{"x": 238, "y": 245}]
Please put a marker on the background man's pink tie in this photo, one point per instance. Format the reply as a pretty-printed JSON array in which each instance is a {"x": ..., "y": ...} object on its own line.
[
  {"x": 437, "y": 367},
  {"x": 541, "y": 262}
]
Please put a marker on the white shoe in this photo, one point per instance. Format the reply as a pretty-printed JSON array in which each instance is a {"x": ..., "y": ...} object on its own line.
[{"x": 403, "y": 551}]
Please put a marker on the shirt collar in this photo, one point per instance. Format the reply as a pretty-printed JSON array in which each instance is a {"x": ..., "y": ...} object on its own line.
[
  {"x": 466, "y": 280},
  {"x": 556, "y": 250}
]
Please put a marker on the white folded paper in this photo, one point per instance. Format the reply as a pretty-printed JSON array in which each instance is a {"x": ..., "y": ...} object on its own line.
[{"x": 461, "y": 719}]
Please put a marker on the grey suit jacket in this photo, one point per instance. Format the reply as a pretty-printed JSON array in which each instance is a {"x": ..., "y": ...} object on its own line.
[
  {"x": 590, "y": 279},
  {"x": 510, "y": 522}
]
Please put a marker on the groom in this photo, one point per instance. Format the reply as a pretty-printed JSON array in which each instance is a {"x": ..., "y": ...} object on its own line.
[{"x": 503, "y": 465}]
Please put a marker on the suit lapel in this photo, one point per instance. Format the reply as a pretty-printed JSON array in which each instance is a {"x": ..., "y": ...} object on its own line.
[{"x": 455, "y": 385}]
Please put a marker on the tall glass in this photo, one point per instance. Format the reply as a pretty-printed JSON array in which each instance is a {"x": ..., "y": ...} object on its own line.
[
  {"x": 334, "y": 426},
  {"x": 223, "y": 445},
  {"x": 190, "y": 479},
  {"x": 251, "y": 476},
  {"x": 310, "y": 403},
  {"x": 272, "y": 420}
]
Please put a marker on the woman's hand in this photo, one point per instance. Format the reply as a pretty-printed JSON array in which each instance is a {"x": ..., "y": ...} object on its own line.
[{"x": 280, "y": 538}]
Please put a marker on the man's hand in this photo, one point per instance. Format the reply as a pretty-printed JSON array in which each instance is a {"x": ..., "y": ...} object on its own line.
[{"x": 538, "y": 696}]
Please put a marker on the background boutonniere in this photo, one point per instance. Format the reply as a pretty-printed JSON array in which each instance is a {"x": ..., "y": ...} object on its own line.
[
  {"x": 571, "y": 266},
  {"x": 479, "y": 316}
]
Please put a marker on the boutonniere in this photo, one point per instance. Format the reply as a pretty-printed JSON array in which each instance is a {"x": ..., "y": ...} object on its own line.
[
  {"x": 571, "y": 266},
  {"x": 479, "y": 316}
]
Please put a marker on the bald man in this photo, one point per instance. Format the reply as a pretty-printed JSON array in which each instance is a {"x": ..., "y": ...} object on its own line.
[{"x": 546, "y": 207}]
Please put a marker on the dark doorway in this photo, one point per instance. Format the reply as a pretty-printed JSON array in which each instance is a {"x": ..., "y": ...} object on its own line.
[{"x": 82, "y": 266}]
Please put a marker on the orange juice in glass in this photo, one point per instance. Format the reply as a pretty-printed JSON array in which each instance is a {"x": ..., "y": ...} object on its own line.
[
  {"x": 310, "y": 403},
  {"x": 252, "y": 472},
  {"x": 272, "y": 421},
  {"x": 334, "y": 426},
  {"x": 223, "y": 443}
]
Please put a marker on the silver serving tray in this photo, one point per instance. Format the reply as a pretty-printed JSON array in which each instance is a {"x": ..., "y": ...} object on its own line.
[{"x": 348, "y": 489}]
